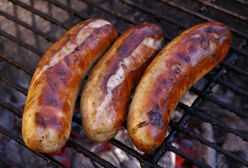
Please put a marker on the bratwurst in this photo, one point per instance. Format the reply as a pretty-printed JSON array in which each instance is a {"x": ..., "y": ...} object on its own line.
[
  {"x": 47, "y": 117},
  {"x": 104, "y": 102},
  {"x": 173, "y": 71}
]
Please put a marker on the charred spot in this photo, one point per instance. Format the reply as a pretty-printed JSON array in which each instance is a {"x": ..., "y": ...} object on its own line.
[
  {"x": 52, "y": 83},
  {"x": 176, "y": 69},
  {"x": 165, "y": 82},
  {"x": 46, "y": 120},
  {"x": 155, "y": 117},
  {"x": 50, "y": 101},
  {"x": 184, "y": 57},
  {"x": 130, "y": 43},
  {"x": 192, "y": 49},
  {"x": 78, "y": 48},
  {"x": 205, "y": 43},
  {"x": 67, "y": 61},
  {"x": 142, "y": 124},
  {"x": 210, "y": 30},
  {"x": 61, "y": 74}
]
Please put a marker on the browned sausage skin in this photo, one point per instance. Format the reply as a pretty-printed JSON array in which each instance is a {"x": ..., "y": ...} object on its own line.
[
  {"x": 48, "y": 111},
  {"x": 173, "y": 71},
  {"x": 105, "y": 98}
]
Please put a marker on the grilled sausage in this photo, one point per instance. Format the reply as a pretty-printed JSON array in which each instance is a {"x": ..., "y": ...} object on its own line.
[
  {"x": 173, "y": 71},
  {"x": 105, "y": 98},
  {"x": 48, "y": 112}
]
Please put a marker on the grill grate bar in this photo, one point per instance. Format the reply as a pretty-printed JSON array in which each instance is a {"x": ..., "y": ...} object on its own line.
[
  {"x": 219, "y": 103},
  {"x": 223, "y": 10},
  {"x": 68, "y": 9},
  {"x": 210, "y": 144},
  {"x": 172, "y": 4},
  {"x": 143, "y": 161},
  {"x": 21, "y": 43},
  {"x": 113, "y": 13},
  {"x": 11, "y": 84},
  {"x": 32, "y": 28},
  {"x": 234, "y": 68},
  {"x": 147, "y": 10},
  {"x": 207, "y": 118},
  {"x": 86, "y": 152},
  {"x": 7, "y": 162},
  {"x": 70, "y": 143},
  {"x": 18, "y": 66},
  {"x": 41, "y": 14},
  {"x": 243, "y": 2},
  {"x": 46, "y": 157},
  {"x": 228, "y": 85},
  {"x": 184, "y": 155}
]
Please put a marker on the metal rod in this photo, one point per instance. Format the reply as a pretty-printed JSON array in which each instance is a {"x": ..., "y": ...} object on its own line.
[
  {"x": 204, "y": 116},
  {"x": 7, "y": 162},
  {"x": 174, "y": 5},
  {"x": 184, "y": 155},
  {"x": 243, "y": 2},
  {"x": 223, "y": 10},
  {"x": 27, "y": 26},
  {"x": 220, "y": 103},
  {"x": 66, "y": 8},
  {"x": 49, "y": 159},
  {"x": 18, "y": 66},
  {"x": 133, "y": 153},
  {"x": 41, "y": 14},
  {"x": 229, "y": 85},
  {"x": 210, "y": 144},
  {"x": 89, "y": 154},
  {"x": 11, "y": 84},
  {"x": 21, "y": 43}
]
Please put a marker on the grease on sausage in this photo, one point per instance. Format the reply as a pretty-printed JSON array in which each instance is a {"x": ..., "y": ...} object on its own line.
[
  {"x": 173, "y": 71},
  {"x": 106, "y": 95},
  {"x": 48, "y": 111}
]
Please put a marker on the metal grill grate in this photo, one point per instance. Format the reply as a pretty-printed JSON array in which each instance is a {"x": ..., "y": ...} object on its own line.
[{"x": 217, "y": 77}]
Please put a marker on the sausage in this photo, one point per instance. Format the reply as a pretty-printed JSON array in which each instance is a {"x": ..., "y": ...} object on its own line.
[
  {"x": 105, "y": 98},
  {"x": 48, "y": 111},
  {"x": 174, "y": 70}
]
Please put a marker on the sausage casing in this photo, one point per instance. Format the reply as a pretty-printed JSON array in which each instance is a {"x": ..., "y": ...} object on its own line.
[
  {"x": 173, "y": 71},
  {"x": 48, "y": 111},
  {"x": 105, "y": 98}
]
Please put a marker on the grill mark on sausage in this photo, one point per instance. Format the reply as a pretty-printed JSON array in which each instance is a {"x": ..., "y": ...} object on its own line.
[
  {"x": 142, "y": 124},
  {"x": 155, "y": 117},
  {"x": 47, "y": 119},
  {"x": 60, "y": 77},
  {"x": 128, "y": 46},
  {"x": 78, "y": 37}
]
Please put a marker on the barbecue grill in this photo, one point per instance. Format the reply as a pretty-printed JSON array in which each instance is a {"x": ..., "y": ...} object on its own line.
[{"x": 34, "y": 25}]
